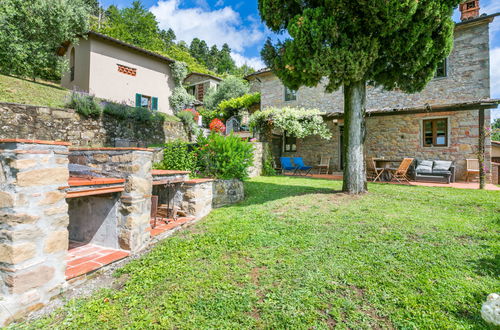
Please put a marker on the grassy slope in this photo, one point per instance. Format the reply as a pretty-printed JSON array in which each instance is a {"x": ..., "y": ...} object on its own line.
[
  {"x": 296, "y": 254},
  {"x": 24, "y": 91}
]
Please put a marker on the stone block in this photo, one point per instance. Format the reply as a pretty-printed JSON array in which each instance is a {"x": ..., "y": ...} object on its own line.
[
  {"x": 17, "y": 218},
  {"x": 62, "y": 221},
  {"x": 16, "y": 253},
  {"x": 56, "y": 241},
  {"x": 6, "y": 200},
  {"x": 138, "y": 185},
  {"x": 21, "y": 164},
  {"x": 126, "y": 158},
  {"x": 42, "y": 177},
  {"x": 101, "y": 158},
  {"x": 27, "y": 234},
  {"x": 52, "y": 197},
  {"x": 33, "y": 278},
  {"x": 57, "y": 210}
]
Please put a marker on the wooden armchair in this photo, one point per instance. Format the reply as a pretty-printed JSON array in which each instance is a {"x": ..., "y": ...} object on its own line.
[
  {"x": 472, "y": 169},
  {"x": 401, "y": 173},
  {"x": 372, "y": 172},
  {"x": 324, "y": 164}
]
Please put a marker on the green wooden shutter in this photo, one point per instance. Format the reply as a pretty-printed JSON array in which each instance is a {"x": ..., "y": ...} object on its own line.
[
  {"x": 154, "y": 103},
  {"x": 138, "y": 98}
]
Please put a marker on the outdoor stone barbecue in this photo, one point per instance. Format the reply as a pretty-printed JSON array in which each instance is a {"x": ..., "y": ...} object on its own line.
[{"x": 59, "y": 205}]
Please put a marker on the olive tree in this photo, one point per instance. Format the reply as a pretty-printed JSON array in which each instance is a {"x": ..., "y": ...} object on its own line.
[{"x": 394, "y": 44}]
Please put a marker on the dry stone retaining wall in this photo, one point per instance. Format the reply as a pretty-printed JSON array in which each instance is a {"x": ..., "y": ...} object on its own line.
[{"x": 42, "y": 123}]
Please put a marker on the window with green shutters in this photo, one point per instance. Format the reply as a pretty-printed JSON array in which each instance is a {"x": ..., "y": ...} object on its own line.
[{"x": 144, "y": 101}]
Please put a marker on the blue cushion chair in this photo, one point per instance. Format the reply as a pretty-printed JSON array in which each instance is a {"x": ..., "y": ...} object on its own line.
[
  {"x": 286, "y": 165},
  {"x": 301, "y": 167}
]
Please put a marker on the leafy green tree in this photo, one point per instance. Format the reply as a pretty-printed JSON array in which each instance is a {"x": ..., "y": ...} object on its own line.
[
  {"x": 225, "y": 63},
  {"x": 229, "y": 88},
  {"x": 93, "y": 6},
  {"x": 212, "y": 58},
  {"x": 495, "y": 128},
  {"x": 199, "y": 50},
  {"x": 32, "y": 31},
  {"x": 168, "y": 37},
  {"x": 392, "y": 43},
  {"x": 135, "y": 25}
]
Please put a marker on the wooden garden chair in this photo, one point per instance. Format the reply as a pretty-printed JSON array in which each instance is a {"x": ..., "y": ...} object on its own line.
[
  {"x": 401, "y": 173},
  {"x": 324, "y": 164},
  {"x": 372, "y": 172},
  {"x": 472, "y": 169}
]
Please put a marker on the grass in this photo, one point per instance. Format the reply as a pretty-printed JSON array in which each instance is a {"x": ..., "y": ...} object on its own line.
[
  {"x": 23, "y": 91},
  {"x": 298, "y": 254}
]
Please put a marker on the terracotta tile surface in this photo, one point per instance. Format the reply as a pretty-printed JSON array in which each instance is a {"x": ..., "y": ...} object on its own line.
[
  {"x": 77, "y": 181},
  {"x": 459, "y": 185},
  {"x": 168, "y": 172},
  {"x": 84, "y": 258},
  {"x": 162, "y": 227},
  {"x": 59, "y": 143},
  {"x": 110, "y": 148}
]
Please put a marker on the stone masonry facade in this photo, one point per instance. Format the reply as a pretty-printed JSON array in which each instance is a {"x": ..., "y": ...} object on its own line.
[
  {"x": 398, "y": 136},
  {"x": 33, "y": 225},
  {"x": 42, "y": 123}
]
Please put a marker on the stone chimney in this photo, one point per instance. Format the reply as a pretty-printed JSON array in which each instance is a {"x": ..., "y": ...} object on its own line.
[{"x": 469, "y": 9}]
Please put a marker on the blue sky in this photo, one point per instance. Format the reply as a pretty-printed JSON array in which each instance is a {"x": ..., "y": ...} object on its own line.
[{"x": 237, "y": 23}]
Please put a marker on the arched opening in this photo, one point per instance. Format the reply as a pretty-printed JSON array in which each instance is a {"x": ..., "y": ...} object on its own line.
[{"x": 72, "y": 63}]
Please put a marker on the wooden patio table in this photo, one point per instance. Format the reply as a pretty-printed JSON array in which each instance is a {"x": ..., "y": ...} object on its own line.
[{"x": 386, "y": 164}]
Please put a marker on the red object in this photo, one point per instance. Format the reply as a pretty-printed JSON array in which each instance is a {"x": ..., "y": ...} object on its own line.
[
  {"x": 217, "y": 125},
  {"x": 469, "y": 9},
  {"x": 195, "y": 113}
]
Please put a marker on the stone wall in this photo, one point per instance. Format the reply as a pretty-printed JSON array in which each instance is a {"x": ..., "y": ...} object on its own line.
[
  {"x": 468, "y": 79},
  {"x": 258, "y": 157},
  {"x": 33, "y": 224},
  {"x": 226, "y": 192},
  {"x": 33, "y": 122},
  {"x": 400, "y": 136},
  {"x": 198, "y": 195}
]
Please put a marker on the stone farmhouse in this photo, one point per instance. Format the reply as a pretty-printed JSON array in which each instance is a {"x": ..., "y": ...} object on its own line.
[
  {"x": 117, "y": 71},
  {"x": 440, "y": 123},
  {"x": 197, "y": 84}
]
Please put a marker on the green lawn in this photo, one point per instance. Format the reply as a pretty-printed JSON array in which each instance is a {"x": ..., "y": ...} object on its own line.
[
  {"x": 24, "y": 91},
  {"x": 298, "y": 254}
]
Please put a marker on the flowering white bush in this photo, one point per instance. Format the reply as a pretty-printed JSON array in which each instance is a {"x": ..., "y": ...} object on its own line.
[
  {"x": 298, "y": 122},
  {"x": 491, "y": 309}
]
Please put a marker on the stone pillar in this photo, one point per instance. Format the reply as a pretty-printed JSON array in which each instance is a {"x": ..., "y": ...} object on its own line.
[
  {"x": 258, "y": 157},
  {"x": 136, "y": 203},
  {"x": 198, "y": 197},
  {"x": 33, "y": 224}
]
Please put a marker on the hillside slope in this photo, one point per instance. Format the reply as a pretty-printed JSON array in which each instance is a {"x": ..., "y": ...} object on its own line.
[{"x": 43, "y": 93}]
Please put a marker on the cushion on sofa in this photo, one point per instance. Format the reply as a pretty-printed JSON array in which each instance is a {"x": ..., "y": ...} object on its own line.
[
  {"x": 442, "y": 165},
  {"x": 424, "y": 167}
]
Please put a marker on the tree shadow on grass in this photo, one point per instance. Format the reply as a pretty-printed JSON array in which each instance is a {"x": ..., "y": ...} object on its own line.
[
  {"x": 51, "y": 84},
  {"x": 487, "y": 266},
  {"x": 261, "y": 192}
]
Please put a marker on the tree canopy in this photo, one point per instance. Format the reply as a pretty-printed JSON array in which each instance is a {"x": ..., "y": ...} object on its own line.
[
  {"x": 393, "y": 43},
  {"x": 32, "y": 31},
  {"x": 228, "y": 88}
]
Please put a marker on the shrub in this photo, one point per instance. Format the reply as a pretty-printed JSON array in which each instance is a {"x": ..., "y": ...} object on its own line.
[
  {"x": 209, "y": 115},
  {"x": 187, "y": 117},
  {"x": 217, "y": 125},
  {"x": 178, "y": 155},
  {"x": 195, "y": 113},
  {"x": 229, "y": 88},
  {"x": 224, "y": 157},
  {"x": 180, "y": 99},
  {"x": 123, "y": 111},
  {"x": 238, "y": 103},
  {"x": 85, "y": 104},
  {"x": 117, "y": 110}
]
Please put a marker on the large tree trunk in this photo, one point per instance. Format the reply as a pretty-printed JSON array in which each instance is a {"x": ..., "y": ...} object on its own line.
[{"x": 354, "y": 138}]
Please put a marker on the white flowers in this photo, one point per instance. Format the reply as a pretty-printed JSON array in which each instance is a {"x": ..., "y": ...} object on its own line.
[
  {"x": 491, "y": 309},
  {"x": 298, "y": 122}
]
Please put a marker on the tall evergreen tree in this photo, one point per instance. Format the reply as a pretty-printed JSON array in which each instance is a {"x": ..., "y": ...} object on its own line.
[
  {"x": 213, "y": 57},
  {"x": 225, "y": 63},
  {"x": 392, "y": 43},
  {"x": 168, "y": 37}
]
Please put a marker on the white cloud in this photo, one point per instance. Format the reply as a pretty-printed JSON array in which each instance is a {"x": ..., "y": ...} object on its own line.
[
  {"x": 253, "y": 62},
  {"x": 219, "y": 3},
  {"x": 217, "y": 27}
]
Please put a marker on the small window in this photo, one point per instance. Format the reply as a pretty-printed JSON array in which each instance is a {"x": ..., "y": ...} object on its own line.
[
  {"x": 290, "y": 94},
  {"x": 191, "y": 90},
  {"x": 290, "y": 143},
  {"x": 442, "y": 69},
  {"x": 147, "y": 102},
  {"x": 435, "y": 132},
  {"x": 127, "y": 70}
]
